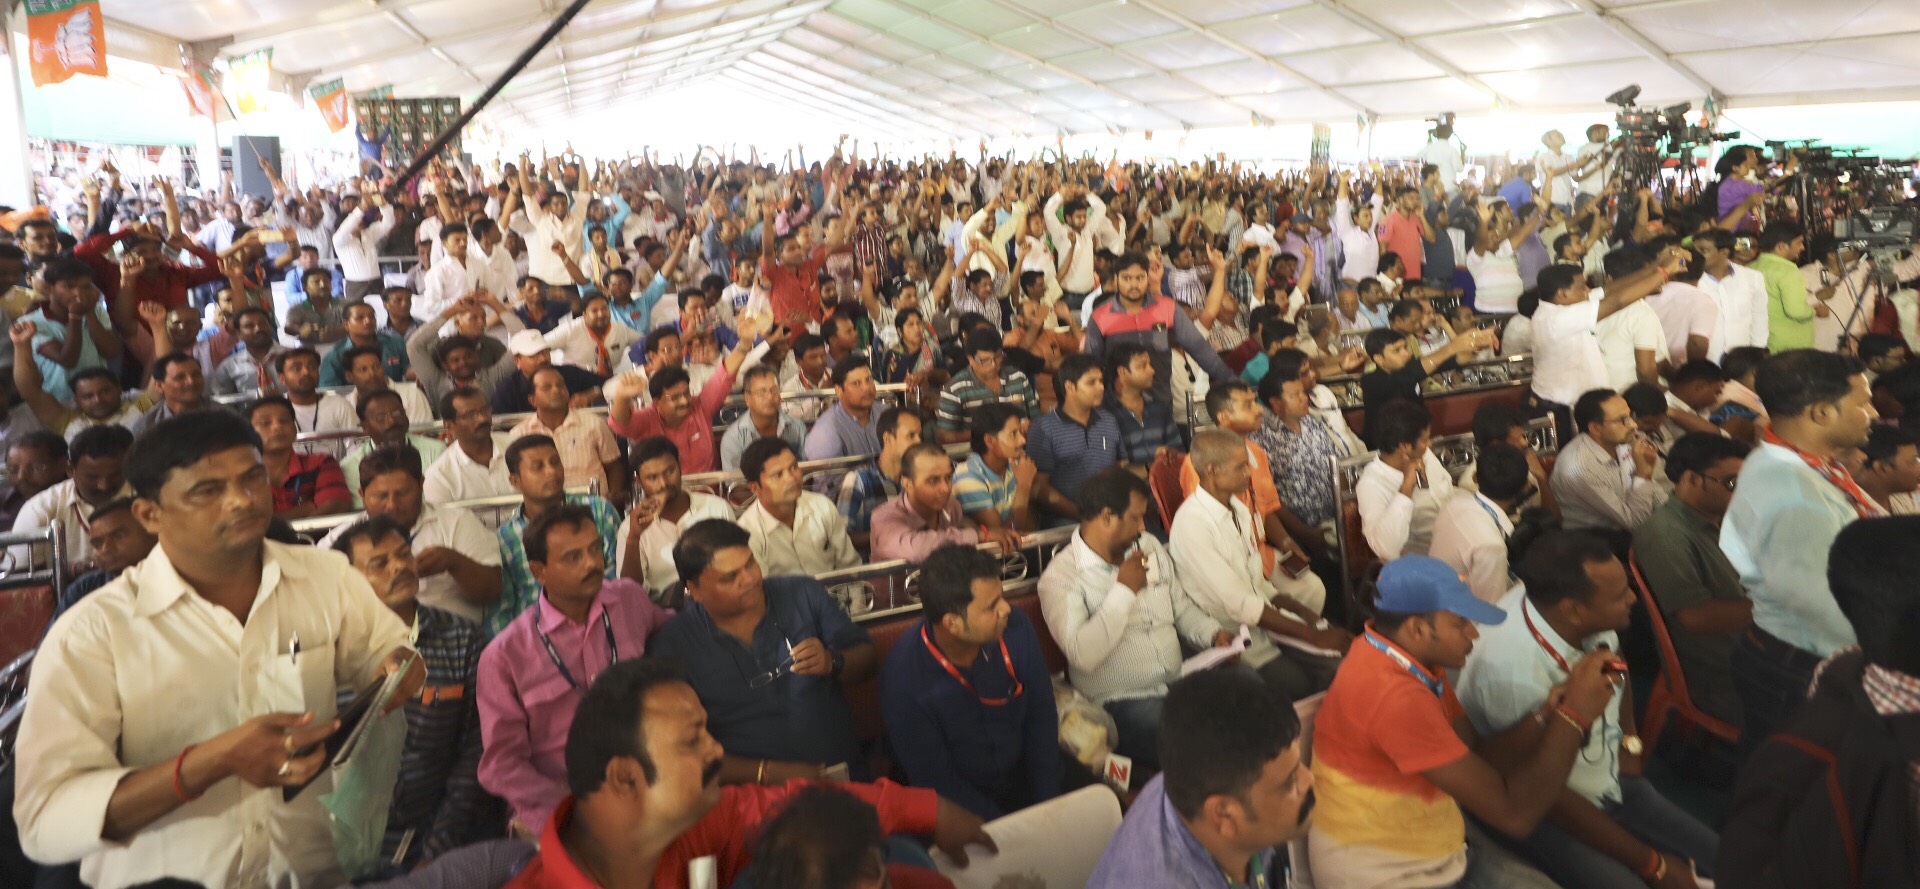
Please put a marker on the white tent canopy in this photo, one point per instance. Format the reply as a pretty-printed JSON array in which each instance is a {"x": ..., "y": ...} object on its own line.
[{"x": 921, "y": 69}]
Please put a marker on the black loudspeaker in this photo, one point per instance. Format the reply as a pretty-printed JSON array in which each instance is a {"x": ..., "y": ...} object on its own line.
[{"x": 248, "y": 152}]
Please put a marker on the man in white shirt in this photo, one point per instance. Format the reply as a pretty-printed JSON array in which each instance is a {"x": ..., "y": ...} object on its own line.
[
  {"x": 475, "y": 465},
  {"x": 459, "y": 272},
  {"x": 1442, "y": 153},
  {"x": 1688, "y": 316},
  {"x": 663, "y": 509},
  {"x": 1566, "y": 352},
  {"x": 357, "y": 243},
  {"x": 1632, "y": 340},
  {"x": 1212, "y": 540},
  {"x": 1611, "y": 828},
  {"x": 1401, "y": 491},
  {"x": 1470, "y": 533},
  {"x": 313, "y": 410},
  {"x": 489, "y": 246},
  {"x": 558, "y": 219},
  {"x": 1112, "y": 601},
  {"x": 1554, "y": 164},
  {"x": 795, "y": 531},
  {"x": 95, "y": 456},
  {"x": 1595, "y": 168},
  {"x": 591, "y": 340},
  {"x": 457, "y": 558},
  {"x": 1739, "y": 292},
  {"x": 171, "y": 709},
  {"x": 1603, "y": 478}
]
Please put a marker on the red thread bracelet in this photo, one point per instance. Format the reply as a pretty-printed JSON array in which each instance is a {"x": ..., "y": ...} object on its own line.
[{"x": 179, "y": 787}]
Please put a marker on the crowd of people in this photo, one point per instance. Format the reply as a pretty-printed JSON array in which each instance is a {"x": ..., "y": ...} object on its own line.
[{"x": 442, "y": 431}]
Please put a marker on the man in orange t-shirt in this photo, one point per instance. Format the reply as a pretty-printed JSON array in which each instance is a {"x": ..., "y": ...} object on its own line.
[{"x": 1395, "y": 759}]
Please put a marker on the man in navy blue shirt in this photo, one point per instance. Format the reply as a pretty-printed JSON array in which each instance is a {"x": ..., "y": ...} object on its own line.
[
  {"x": 769, "y": 658},
  {"x": 966, "y": 695}
]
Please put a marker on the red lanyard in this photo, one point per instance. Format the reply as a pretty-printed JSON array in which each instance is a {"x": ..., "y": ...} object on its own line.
[
  {"x": 1525, "y": 614},
  {"x": 1833, "y": 472},
  {"x": 953, "y": 671}
]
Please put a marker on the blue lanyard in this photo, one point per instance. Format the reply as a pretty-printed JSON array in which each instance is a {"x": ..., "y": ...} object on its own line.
[
  {"x": 1482, "y": 501},
  {"x": 1432, "y": 684}
]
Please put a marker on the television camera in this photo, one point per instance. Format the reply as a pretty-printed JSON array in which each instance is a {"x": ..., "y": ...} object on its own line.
[{"x": 1648, "y": 136}]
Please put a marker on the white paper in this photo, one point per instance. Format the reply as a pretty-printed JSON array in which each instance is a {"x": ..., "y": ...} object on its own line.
[
  {"x": 1297, "y": 644},
  {"x": 1214, "y": 657}
]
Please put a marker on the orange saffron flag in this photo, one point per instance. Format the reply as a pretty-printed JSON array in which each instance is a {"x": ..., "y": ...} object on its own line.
[{"x": 64, "y": 38}]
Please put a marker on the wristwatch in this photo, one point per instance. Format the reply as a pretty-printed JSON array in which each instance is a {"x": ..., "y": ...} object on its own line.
[
  {"x": 840, "y": 663},
  {"x": 1631, "y": 744}
]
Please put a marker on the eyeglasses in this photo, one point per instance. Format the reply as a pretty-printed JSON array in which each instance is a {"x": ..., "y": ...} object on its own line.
[
  {"x": 783, "y": 668},
  {"x": 1730, "y": 482}
]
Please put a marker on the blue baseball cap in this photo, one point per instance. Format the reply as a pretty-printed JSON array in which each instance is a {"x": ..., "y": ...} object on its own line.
[{"x": 1424, "y": 585}]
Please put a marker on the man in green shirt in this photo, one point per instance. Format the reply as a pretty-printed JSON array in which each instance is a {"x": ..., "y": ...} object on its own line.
[
  {"x": 1699, "y": 591},
  {"x": 1790, "y": 313}
]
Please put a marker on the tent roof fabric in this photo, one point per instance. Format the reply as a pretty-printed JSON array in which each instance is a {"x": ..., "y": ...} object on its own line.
[{"x": 1005, "y": 67}]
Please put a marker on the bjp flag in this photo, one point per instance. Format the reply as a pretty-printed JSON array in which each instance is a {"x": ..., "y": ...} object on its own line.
[
  {"x": 248, "y": 77},
  {"x": 332, "y": 99},
  {"x": 64, "y": 38},
  {"x": 202, "y": 95}
]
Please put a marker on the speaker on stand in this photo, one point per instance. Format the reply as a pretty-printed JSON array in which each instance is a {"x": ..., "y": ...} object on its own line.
[{"x": 248, "y": 152}]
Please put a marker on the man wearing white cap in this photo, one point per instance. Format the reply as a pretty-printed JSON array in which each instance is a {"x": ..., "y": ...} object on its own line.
[
  {"x": 655, "y": 220},
  {"x": 530, "y": 352}
]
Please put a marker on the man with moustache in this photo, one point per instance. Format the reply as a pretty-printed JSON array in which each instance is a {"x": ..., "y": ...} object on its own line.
[
  {"x": 437, "y": 803},
  {"x": 646, "y": 801},
  {"x": 536, "y": 671},
  {"x": 121, "y": 771}
]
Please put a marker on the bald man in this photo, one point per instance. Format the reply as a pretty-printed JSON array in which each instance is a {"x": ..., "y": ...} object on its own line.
[{"x": 1212, "y": 540}]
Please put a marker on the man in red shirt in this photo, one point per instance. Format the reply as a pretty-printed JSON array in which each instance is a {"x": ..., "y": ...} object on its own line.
[
  {"x": 647, "y": 801},
  {"x": 151, "y": 276},
  {"x": 792, "y": 273},
  {"x": 676, "y": 413},
  {"x": 1406, "y": 232}
]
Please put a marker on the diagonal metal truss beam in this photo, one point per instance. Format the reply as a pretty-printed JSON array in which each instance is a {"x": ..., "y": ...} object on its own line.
[
  {"x": 1155, "y": 7},
  {"x": 1341, "y": 9}
]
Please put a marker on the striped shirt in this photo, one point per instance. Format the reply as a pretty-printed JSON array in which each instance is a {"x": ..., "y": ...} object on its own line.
[
  {"x": 1144, "y": 434},
  {"x": 965, "y": 392},
  {"x": 1071, "y": 453},
  {"x": 977, "y": 489},
  {"x": 518, "y": 589}
]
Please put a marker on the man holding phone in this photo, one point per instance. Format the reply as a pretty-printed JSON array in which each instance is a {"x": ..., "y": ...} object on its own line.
[
  {"x": 135, "y": 781},
  {"x": 1609, "y": 829}
]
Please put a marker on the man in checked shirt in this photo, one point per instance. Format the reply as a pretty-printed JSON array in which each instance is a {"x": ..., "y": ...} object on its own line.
[{"x": 438, "y": 804}]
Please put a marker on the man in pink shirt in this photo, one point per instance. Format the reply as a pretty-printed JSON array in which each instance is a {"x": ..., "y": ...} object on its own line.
[
  {"x": 925, "y": 516},
  {"x": 685, "y": 420},
  {"x": 534, "y": 674},
  {"x": 1405, "y": 232}
]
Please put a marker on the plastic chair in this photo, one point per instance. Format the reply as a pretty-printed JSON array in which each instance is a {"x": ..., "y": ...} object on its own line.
[
  {"x": 1055, "y": 845},
  {"x": 1163, "y": 478},
  {"x": 1669, "y": 694}
]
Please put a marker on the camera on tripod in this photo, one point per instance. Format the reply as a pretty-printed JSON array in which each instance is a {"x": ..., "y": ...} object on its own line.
[{"x": 1647, "y": 136}]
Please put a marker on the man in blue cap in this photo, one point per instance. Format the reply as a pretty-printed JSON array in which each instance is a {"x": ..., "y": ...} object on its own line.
[{"x": 1395, "y": 758}]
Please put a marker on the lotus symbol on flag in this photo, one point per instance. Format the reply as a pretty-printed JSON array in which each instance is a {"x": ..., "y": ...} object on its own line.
[{"x": 73, "y": 42}]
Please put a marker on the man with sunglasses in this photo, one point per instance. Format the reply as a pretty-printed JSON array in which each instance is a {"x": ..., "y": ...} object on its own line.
[
  {"x": 770, "y": 658},
  {"x": 1678, "y": 553},
  {"x": 965, "y": 693},
  {"x": 536, "y": 671}
]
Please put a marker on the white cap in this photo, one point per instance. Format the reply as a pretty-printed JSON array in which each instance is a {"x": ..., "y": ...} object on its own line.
[
  {"x": 652, "y": 196},
  {"x": 527, "y": 343}
]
